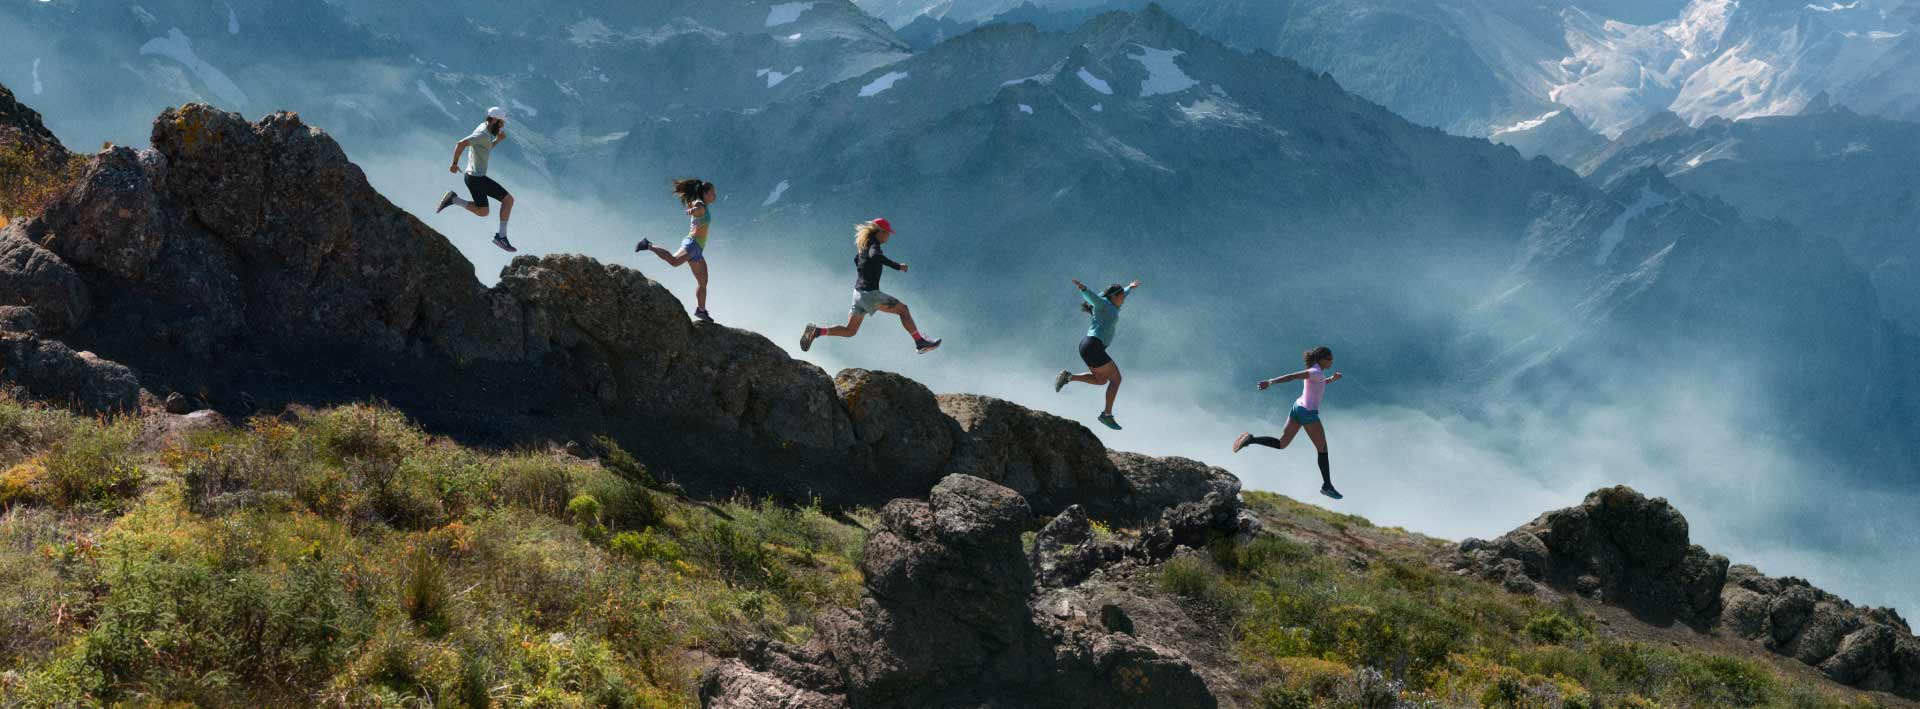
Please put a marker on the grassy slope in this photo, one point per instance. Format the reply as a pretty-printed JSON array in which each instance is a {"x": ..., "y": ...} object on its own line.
[{"x": 345, "y": 557}]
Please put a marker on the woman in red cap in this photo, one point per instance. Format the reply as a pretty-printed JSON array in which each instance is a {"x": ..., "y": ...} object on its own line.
[{"x": 867, "y": 296}]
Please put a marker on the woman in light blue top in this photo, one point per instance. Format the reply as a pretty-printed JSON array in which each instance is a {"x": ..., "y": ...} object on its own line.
[{"x": 1105, "y": 309}]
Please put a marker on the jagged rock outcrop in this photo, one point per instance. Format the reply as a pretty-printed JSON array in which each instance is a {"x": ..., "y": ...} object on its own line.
[
  {"x": 252, "y": 264},
  {"x": 900, "y": 421},
  {"x": 1869, "y": 648},
  {"x": 1618, "y": 546},
  {"x": 34, "y": 368},
  {"x": 951, "y": 619},
  {"x": 21, "y": 126},
  {"x": 34, "y": 279},
  {"x": 1622, "y": 548}
]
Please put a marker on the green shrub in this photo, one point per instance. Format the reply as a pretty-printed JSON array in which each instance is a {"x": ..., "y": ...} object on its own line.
[
  {"x": 1552, "y": 628},
  {"x": 93, "y": 466},
  {"x": 365, "y": 432},
  {"x": 183, "y": 630},
  {"x": 645, "y": 545},
  {"x": 536, "y": 482},
  {"x": 737, "y": 557},
  {"x": 585, "y": 512},
  {"x": 624, "y": 505},
  {"x": 424, "y": 593},
  {"x": 623, "y": 464},
  {"x": 1196, "y": 580}
]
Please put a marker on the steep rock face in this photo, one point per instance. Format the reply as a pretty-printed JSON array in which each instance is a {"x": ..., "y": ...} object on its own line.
[
  {"x": 1869, "y": 648},
  {"x": 1617, "y": 546},
  {"x": 251, "y": 265},
  {"x": 950, "y": 619}
]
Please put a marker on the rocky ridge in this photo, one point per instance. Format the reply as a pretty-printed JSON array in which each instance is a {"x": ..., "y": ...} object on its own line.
[
  {"x": 242, "y": 266},
  {"x": 1625, "y": 549}
]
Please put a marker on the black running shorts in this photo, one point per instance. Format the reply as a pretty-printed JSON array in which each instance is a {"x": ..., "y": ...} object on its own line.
[
  {"x": 482, "y": 187},
  {"x": 1094, "y": 352}
]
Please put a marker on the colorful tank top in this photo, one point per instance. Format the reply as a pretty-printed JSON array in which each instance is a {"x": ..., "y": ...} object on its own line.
[{"x": 697, "y": 225}]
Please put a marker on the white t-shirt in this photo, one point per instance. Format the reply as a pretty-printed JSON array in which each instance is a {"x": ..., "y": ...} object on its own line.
[
  {"x": 479, "y": 149},
  {"x": 1311, "y": 388}
]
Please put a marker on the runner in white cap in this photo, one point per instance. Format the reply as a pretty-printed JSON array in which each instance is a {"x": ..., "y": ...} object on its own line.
[{"x": 481, "y": 143}]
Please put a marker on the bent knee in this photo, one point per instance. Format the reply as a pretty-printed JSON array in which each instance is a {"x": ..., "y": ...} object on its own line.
[
  {"x": 507, "y": 201},
  {"x": 484, "y": 211}
]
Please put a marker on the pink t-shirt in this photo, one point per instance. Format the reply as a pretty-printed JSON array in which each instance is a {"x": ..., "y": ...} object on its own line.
[{"x": 1311, "y": 388}]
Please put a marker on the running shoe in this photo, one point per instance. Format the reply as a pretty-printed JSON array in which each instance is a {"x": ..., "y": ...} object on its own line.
[
  {"x": 701, "y": 313},
  {"x": 643, "y": 245},
  {"x": 1242, "y": 441},
  {"x": 925, "y": 346},
  {"x": 1110, "y": 423},
  {"x": 445, "y": 199},
  {"x": 500, "y": 240},
  {"x": 1060, "y": 382},
  {"x": 1330, "y": 492},
  {"x": 806, "y": 337}
]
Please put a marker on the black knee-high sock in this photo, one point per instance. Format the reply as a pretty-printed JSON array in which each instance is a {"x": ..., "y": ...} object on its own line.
[
  {"x": 1267, "y": 441},
  {"x": 1326, "y": 476}
]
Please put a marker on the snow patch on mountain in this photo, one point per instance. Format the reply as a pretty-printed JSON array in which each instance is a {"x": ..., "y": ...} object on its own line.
[
  {"x": 774, "y": 77},
  {"x": 1026, "y": 109},
  {"x": 774, "y": 196},
  {"x": 523, "y": 108},
  {"x": 421, "y": 86},
  {"x": 1163, "y": 74},
  {"x": 36, "y": 76},
  {"x": 1094, "y": 82},
  {"x": 786, "y": 13},
  {"x": 1720, "y": 58},
  {"x": 178, "y": 47},
  {"x": 883, "y": 83},
  {"x": 233, "y": 20},
  {"x": 1220, "y": 109},
  {"x": 1526, "y": 125},
  {"x": 1616, "y": 232},
  {"x": 1042, "y": 78},
  {"x": 1098, "y": 108}
]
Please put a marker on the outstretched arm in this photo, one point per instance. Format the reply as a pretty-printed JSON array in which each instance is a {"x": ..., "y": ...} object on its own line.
[
  {"x": 458, "y": 148},
  {"x": 1294, "y": 377},
  {"x": 1133, "y": 285},
  {"x": 1085, "y": 294}
]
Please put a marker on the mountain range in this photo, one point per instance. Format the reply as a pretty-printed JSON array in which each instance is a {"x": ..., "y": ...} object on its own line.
[{"x": 1475, "y": 68}]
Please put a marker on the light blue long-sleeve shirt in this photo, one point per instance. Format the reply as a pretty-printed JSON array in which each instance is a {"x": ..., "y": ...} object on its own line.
[{"x": 1106, "y": 316}]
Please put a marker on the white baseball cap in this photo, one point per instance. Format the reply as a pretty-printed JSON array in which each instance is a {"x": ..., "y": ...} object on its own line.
[{"x": 497, "y": 112}]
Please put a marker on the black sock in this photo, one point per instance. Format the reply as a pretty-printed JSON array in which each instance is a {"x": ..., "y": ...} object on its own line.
[
  {"x": 1326, "y": 477},
  {"x": 1267, "y": 441}
]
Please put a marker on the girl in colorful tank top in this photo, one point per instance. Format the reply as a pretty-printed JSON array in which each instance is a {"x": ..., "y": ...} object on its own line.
[{"x": 697, "y": 196}]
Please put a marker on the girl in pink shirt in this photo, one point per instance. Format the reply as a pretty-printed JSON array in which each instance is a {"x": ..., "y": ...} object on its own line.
[{"x": 1305, "y": 413}]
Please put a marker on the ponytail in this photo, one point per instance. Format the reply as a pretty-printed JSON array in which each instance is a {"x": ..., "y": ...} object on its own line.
[
  {"x": 690, "y": 190},
  {"x": 1316, "y": 354}
]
